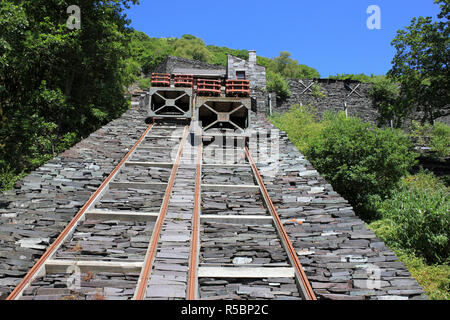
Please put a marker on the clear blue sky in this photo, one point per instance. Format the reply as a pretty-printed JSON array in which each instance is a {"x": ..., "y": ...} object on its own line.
[{"x": 329, "y": 35}]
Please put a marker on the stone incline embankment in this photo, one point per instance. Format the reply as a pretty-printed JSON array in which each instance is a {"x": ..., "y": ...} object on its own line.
[{"x": 342, "y": 258}]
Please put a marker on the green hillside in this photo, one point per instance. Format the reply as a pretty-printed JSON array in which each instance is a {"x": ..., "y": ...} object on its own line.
[{"x": 148, "y": 52}]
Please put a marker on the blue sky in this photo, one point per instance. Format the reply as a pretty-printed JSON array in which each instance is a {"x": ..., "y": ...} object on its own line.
[{"x": 329, "y": 35}]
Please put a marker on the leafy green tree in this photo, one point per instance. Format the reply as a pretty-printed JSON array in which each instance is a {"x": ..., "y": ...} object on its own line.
[
  {"x": 219, "y": 54},
  {"x": 421, "y": 64},
  {"x": 385, "y": 95},
  {"x": 191, "y": 47},
  {"x": 289, "y": 68},
  {"x": 150, "y": 52},
  {"x": 57, "y": 84},
  {"x": 276, "y": 83},
  {"x": 361, "y": 161}
]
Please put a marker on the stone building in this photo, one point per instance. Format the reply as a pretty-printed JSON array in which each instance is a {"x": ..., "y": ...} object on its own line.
[
  {"x": 178, "y": 65},
  {"x": 236, "y": 69},
  {"x": 247, "y": 69}
]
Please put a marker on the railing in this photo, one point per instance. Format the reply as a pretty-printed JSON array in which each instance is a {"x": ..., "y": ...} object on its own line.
[
  {"x": 239, "y": 88},
  {"x": 209, "y": 87},
  {"x": 183, "y": 80},
  {"x": 160, "y": 80}
]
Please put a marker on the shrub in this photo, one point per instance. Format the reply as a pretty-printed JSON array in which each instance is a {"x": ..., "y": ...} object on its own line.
[
  {"x": 276, "y": 83},
  {"x": 144, "y": 83},
  {"x": 440, "y": 139},
  {"x": 435, "y": 136},
  {"x": 317, "y": 91},
  {"x": 301, "y": 124},
  {"x": 416, "y": 218},
  {"x": 385, "y": 98},
  {"x": 361, "y": 161},
  {"x": 8, "y": 178},
  {"x": 434, "y": 279}
]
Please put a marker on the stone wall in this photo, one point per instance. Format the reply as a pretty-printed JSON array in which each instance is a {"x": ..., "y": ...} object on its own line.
[{"x": 336, "y": 93}]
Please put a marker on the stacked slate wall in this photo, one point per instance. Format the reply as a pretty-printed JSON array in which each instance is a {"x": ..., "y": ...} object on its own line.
[{"x": 336, "y": 93}]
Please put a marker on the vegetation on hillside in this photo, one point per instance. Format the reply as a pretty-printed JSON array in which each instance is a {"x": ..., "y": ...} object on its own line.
[
  {"x": 370, "y": 167},
  {"x": 57, "y": 85},
  {"x": 150, "y": 52},
  {"x": 357, "y": 77},
  {"x": 421, "y": 64}
]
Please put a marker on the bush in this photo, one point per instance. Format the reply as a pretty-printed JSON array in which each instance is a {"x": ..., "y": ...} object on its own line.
[
  {"x": 301, "y": 125},
  {"x": 434, "y": 279},
  {"x": 276, "y": 83},
  {"x": 416, "y": 218},
  {"x": 144, "y": 83},
  {"x": 8, "y": 177},
  {"x": 385, "y": 98},
  {"x": 440, "y": 140},
  {"x": 361, "y": 161},
  {"x": 317, "y": 91},
  {"x": 436, "y": 137}
]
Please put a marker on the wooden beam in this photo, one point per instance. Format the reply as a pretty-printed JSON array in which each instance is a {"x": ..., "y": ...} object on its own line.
[
  {"x": 226, "y": 166},
  {"x": 164, "y": 137},
  {"x": 354, "y": 91},
  {"x": 149, "y": 164},
  {"x": 247, "y": 219},
  {"x": 61, "y": 266},
  {"x": 246, "y": 272},
  {"x": 138, "y": 185},
  {"x": 121, "y": 215},
  {"x": 229, "y": 187}
]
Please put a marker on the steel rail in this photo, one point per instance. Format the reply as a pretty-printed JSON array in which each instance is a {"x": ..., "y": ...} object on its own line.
[
  {"x": 306, "y": 289},
  {"x": 150, "y": 256},
  {"x": 195, "y": 243},
  {"x": 35, "y": 270}
]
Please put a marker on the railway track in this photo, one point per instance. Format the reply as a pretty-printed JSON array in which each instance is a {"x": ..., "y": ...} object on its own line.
[{"x": 201, "y": 226}]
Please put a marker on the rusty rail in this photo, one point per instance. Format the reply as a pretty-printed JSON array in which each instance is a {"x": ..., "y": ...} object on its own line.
[
  {"x": 34, "y": 271},
  {"x": 195, "y": 239},
  {"x": 150, "y": 256},
  {"x": 302, "y": 279}
]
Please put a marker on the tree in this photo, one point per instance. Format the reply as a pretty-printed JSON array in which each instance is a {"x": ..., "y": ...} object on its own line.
[
  {"x": 150, "y": 52},
  {"x": 386, "y": 99},
  {"x": 421, "y": 64},
  {"x": 276, "y": 83},
  {"x": 191, "y": 47},
  {"x": 57, "y": 84},
  {"x": 220, "y": 54},
  {"x": 289, "y": 68}
]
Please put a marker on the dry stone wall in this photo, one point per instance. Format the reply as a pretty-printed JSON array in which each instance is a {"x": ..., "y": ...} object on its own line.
[{"x": 336, "y": 93}]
